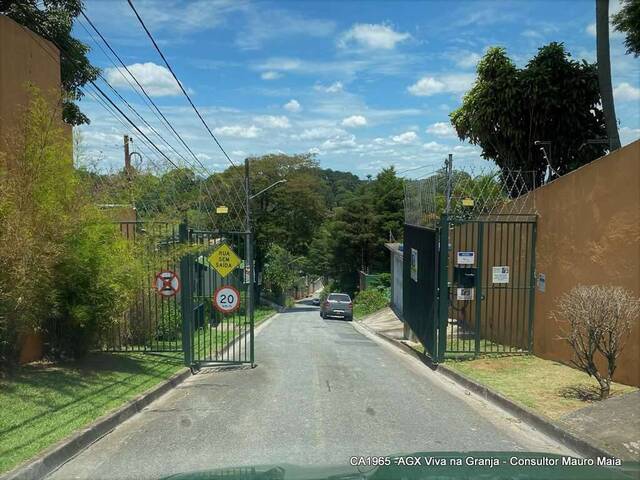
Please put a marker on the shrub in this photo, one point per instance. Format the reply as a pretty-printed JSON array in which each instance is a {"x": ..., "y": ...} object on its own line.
[
  {"x": 370, "y": 300},
  {"x": 599, "y": 320},
  {"x": 65, "y": 270}
]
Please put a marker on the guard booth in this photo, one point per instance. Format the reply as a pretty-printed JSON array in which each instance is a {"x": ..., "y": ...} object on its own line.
[{"x": 469, "y": 266}]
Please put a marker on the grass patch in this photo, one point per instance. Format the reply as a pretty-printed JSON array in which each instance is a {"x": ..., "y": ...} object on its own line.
[
  {"x": 545, "y": 386},
  {"x": 41, "y": 403}
]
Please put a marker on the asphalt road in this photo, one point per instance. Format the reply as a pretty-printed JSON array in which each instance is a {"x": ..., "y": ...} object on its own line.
[{"x": 321, "y": 393}]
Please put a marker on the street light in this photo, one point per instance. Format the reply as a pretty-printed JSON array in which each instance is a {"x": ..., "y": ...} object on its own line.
[{"x": 268, "y": 188}]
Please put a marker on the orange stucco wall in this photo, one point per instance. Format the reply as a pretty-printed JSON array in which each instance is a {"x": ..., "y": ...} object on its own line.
[
  {"x": 25, "y": 59},
  {"x": 589, "y": 233}
]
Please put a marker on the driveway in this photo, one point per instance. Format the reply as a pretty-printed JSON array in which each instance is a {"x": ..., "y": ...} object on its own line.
[{"x": 322, "y": 392}]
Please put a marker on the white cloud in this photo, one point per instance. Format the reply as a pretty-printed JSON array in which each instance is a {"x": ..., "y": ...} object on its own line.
[
  {"x": 441, "y": 129},
  {"x": 321, "y": 133},
  {"x": 292, "y": 106},
  {"x": 239, "y": 153},
  {"x": 339, "y": 142},
  {"x": 405, "y": 138},
  {"x": 237, "y": 131},
  {"x": 626, "y": 92},
  {"x": 467, "y": 59},
  {"x": 333, "y": 88},
  {"x": 354, "y": 121},
  {"x": 453, "y": 83},
  {"x": 272, "y": 121},
  {"x": 434, "y": 147},
  {"x": 270, "y": 75},
  {"x": 263, "y": 25},
  {"x": 373, "y": 36},
  {"x": 156, "y": 79}
]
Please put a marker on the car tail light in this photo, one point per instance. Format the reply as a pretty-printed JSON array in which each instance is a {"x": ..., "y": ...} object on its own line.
[
  {"x": 350, "y": 304},
  {"x": 325, "y": 304}
]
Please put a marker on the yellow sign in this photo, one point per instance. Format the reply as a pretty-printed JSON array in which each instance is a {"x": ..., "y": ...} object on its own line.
[
  {"x": 224, "y": 260},
  {"x": 467, "y": 202},
  {"x": 222, "y": 209}
]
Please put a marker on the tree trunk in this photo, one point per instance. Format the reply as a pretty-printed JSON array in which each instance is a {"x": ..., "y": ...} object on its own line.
[{"x": 604, "y": 72}]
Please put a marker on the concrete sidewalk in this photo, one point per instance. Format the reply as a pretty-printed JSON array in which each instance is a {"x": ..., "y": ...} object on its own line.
[
  {"x": 612, "y": 425},
  {"x": 386, "y": 323}
]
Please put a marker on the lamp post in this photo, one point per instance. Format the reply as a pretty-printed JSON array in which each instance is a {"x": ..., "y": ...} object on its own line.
[{"x": 249, "y": 246}]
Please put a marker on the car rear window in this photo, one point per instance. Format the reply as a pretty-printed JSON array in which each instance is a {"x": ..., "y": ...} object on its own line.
[{"x": 339, "y": 297}]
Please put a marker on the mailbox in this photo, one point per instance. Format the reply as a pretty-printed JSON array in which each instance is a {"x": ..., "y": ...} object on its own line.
[{"x": 464, "y": 277}]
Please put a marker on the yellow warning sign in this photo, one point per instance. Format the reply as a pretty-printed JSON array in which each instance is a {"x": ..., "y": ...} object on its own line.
[{"x": 224, "y": 260}]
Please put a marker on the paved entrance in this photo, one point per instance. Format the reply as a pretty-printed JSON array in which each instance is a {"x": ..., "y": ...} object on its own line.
[{"x": 321, "y": 393}]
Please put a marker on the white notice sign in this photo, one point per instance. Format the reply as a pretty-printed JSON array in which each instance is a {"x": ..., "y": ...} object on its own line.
[
  {"x": 466, "y": 258},
  {"x": 500, "y": 274},
  {"x": 414, "y": 265},
  {"x": 464, "y": 293}
]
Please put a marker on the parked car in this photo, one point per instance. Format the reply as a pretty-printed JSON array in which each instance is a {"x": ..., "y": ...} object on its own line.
[
  {"x": 337, "y": 305},
  {"x": 315, "y": 301}
]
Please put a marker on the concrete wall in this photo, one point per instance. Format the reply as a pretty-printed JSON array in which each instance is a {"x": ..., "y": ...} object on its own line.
[
  {"x": 589, "y": 233},
  {"x": 25, "y": 58}
]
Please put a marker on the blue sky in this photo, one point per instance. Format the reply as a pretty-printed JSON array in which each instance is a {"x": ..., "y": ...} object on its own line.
[{"x": 363, "y": 84}]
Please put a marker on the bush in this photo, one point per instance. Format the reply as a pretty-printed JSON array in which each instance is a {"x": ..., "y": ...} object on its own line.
[
  {"x": 65, "y": 271},
  {"x": 370, "y": 301},
  {"x": 96, "y": 280},
  {"x": 599, "y": 320}
]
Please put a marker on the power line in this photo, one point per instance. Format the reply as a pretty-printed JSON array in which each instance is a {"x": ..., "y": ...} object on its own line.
[
  {"x": 223, "y": 184},
  {"x": 178, "y": 82},
  {"x": 161, "y": 116}
]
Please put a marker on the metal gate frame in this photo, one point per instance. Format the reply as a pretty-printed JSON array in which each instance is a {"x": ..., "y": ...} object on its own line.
[
  {"x": 211, "y": 337},
  {"x": 481, "y": 288}
]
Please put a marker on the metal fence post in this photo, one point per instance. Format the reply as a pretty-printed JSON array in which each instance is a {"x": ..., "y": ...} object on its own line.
[
  {"x": 478, "y": 285},
  {"x": 532, "y": 288},
  {"x": 443, "y": 287},
  {"x": 249, "y": 259},
  {"x": 186, "y": 296}
]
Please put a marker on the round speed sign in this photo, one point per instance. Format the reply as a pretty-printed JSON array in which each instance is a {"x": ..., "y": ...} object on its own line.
[{"x": 226, "y": 299}]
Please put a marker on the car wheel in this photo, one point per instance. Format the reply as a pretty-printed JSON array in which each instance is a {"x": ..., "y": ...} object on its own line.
[
  {"x": 321, "y": 315},
  {"x": 349, "y": 318}
]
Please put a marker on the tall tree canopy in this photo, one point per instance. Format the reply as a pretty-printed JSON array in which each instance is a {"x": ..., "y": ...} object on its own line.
[
  {"x": 53, "y": 20},
  {"x": 553, "y": 98},
  {"x": 627, "y": 21}
]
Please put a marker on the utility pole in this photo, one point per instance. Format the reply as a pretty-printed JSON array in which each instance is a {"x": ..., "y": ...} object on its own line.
[
  {"x": 249, "y": 254},
  {"x": 127, "y": 156},
  {"x": 449, "y": 171},
  {"x": 604, "y": 73}
]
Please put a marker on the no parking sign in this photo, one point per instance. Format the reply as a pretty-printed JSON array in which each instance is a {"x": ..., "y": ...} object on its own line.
[
  {"x": 167, "y": 283},
  {"x": 226, "y": 299}
]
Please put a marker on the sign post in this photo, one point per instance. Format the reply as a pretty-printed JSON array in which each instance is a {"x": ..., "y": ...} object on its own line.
[{"x": 224, "y": 260}]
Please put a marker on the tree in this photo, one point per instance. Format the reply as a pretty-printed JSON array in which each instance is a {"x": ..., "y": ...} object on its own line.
[
  {"x": 281, "y": 270},
  {"x": 600, "y": 319},
  {"x": 54, "y": 22},
  {"x": 553, "y": 98},
  {"x": 604, "y": 72},
  {"x": 627, "y": 21}
]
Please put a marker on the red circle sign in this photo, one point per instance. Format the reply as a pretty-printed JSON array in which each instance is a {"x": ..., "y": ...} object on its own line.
[
  {"x": 167, "y": 283},
  {"x": 226, "y": 299}
]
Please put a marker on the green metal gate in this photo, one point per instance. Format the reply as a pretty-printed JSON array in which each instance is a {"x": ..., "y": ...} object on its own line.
[
  {"x": 487, "y": 280},
  {"x": 210, "y": 336}
]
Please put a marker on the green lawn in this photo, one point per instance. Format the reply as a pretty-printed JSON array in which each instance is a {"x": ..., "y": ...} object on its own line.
[
  {"x": 43, "y": 403},
  {"x": 545, "y": 386}
]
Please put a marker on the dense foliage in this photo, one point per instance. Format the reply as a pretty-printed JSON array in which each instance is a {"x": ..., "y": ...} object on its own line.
[
  {"x": 627, "y": 21},
  {"x": 553, "y": 98},
  {"x": 62, "y": 265},
  {"x": 53, "y": 20}
]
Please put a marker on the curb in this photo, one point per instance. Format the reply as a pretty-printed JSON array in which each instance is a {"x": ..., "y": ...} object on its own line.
[
  {"x": 60, "y": 453},
  {"x": 57, "y": 455},
  {"x": 544, "y": 425}
]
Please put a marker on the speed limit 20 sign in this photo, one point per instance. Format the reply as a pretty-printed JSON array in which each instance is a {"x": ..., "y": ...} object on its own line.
[{"x": 226, "y": 299}]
